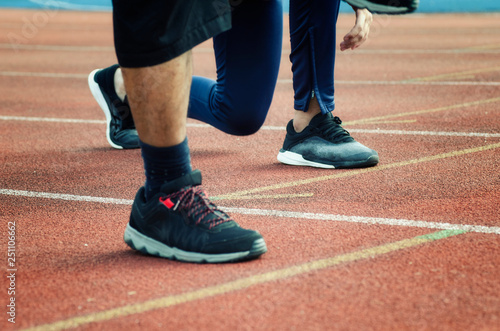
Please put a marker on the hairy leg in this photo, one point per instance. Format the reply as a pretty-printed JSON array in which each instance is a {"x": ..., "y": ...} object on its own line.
[{"x": 159, "y": 97}]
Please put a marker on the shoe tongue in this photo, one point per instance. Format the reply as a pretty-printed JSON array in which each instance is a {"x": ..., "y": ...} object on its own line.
[{"x": 191, "y": 179}]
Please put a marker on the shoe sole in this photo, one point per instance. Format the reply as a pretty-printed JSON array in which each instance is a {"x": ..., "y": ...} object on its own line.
[
  {"x": 296, "y": 159},
  {"x": 147, "y": 245},
  {"x": 99, "y": 97},
  {"x": 384, "y": 9}
]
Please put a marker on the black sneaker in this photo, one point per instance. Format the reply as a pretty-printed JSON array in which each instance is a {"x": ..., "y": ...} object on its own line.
[
  {"x": 389, "y": 7},
  {"x": 325, "y": 144},
  {"x": 120, "y": 130},
  {"x": 182, "y": 224}
]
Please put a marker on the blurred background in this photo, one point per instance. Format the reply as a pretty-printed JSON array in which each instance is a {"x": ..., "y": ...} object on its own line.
[{"x": 426, "y": 6}]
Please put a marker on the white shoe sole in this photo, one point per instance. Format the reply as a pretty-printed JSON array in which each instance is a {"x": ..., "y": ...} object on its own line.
[
  {"x": 147, "y": 245},
  {"x": 292, "y": 158},
  {"x": 99, "y": 97}
]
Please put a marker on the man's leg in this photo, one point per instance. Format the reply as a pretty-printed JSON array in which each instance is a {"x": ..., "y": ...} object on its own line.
[
  {"x": 247, "y": 57},
  {"x": 158, "y": 98},
  {"x": 171, "y": 216}
]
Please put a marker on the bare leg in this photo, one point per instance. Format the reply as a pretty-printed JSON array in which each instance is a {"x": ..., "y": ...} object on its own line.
[{"x": 159, "y": 98}]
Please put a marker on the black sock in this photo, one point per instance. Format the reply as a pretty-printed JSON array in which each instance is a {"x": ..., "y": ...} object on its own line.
[{"x": 163, "y": 164}]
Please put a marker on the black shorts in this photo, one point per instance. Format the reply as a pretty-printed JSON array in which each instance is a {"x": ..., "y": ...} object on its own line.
[{"x": 150, "y": 32}]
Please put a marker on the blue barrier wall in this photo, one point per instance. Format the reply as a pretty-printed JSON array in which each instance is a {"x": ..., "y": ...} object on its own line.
[{"x": 426, "y": 6}]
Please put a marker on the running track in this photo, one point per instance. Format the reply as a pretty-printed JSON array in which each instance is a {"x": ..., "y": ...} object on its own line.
[{"x": 412, "y": 244}]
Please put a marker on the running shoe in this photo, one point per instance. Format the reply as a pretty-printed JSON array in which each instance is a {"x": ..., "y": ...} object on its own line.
[
  {"x": 120, "y": 129},
  {"x": 324, "y": 143},
  {"x": 181, "y": 223},
  {"x": 389, "y": 7}
]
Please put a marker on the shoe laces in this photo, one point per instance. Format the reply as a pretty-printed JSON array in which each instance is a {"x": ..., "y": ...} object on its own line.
[
  {"x": 332, "y": 130},
  {"x": 198, "y": 206}
]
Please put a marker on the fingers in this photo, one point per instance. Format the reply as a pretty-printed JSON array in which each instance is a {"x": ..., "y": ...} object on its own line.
[{"x": 359, "y": 33}]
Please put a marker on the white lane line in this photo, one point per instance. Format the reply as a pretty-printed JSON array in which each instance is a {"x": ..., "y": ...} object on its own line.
[
  {"x": 62, "y": 48},
  {"x": 265, "y": 127},
  {"x": 51, "y": 119},
  {"x": 421, "y": 51},
  {"x": 58, "y": 48},
  {"x": 428, "y": 133},
  {"x": 280, "y": 81},
  {"x": 365, "y": 220},
  {"x": 275, "y": 213},
  {"x": 67, "y": 197},
  {"x": 405, "y": 82},
  {"x": 285, "y": 51},
  {"x": 42, "y": 74}
]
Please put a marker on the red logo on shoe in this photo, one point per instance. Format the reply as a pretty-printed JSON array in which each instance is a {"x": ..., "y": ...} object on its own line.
[{"x": 167, "y": 202}]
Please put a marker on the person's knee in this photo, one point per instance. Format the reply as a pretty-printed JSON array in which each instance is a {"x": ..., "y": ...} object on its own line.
[
  {"x": 244, "y": 121},
  {"x": 244, "y": 125}
]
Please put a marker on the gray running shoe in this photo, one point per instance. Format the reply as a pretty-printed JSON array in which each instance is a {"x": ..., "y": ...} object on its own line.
[{"x": 324, "y": 143}]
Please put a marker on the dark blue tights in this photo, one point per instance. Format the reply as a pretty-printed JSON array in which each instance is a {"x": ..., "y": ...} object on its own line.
[{"x": 248, "y": 59}]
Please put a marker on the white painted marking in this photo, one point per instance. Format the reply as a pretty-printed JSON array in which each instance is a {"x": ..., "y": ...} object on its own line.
[
  {"x": 365, "y": 220},
  {"x": 50, "y": 119},
  {"x": 62, "y": 48},
  {"x": 405, "y": 82},
  {"x": 275, "y": 213},
  {"x": 42, "y": 74},
  {"x": 429, "y": 133},
  {"x": 280, "y": 81},
  {"x": 285, "y": 51},
  {"x": 421, "y": 51},
  {"x": 67, "y": 197},
  {"x": 265, "y": 127},
  {"x": 57, "y": 48}
]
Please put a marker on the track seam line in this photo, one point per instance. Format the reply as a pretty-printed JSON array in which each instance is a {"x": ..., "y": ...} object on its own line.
[
  {"x": 244, "y": 283},
  {"x": 457, "y": 74},
  {"x": 424, "y": 111},
  {"x": 355, "y": 172}
]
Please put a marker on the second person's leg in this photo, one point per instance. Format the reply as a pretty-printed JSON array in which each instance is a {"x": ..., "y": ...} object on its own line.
[
  {"x": 248, "y": 59},
  {"x": 314, "y": 137}
]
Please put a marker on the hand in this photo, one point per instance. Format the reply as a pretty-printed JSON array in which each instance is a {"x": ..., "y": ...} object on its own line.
[{"x": 359, "y": 33}]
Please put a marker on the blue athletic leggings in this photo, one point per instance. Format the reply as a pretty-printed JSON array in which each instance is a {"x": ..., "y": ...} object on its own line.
[
  {"x": 248, "y": 59},
  {"x": 312, "y": 38}
]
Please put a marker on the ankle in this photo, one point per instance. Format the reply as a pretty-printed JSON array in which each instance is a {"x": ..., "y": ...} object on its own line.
[
  {"x": 164, "y": 164},
  {"x": 119, "y": 85},
  {"x": 301, "y": 119}
]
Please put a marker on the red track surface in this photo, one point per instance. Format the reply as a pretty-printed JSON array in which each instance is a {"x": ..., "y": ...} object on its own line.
[{"x": 344, "y": 254}]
